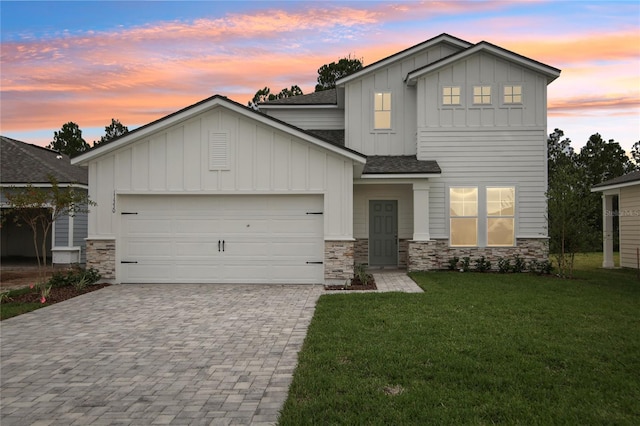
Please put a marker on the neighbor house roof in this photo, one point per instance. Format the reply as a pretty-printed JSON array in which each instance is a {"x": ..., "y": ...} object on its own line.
[
  {"x": 205, "y": 105},
  {"x": 399, "y": 165},
  {"x": 629, "y": 179},
  {"x": 324, "y": 97},
  {"x": 22, "y": 163}
]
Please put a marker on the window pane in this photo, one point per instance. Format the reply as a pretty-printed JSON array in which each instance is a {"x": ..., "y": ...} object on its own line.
[
  {"x": 455, "y": 100},
  {"x": 455, "y": 91},
  {"x": 501, "y": 201},
  {"x": 382, "y": 119},
  {"x": 378, "y": 102},
  {"x": 386, "y": 101},
  {"x": 500, "y": 231},
  {"x": 464, "y": 232}
]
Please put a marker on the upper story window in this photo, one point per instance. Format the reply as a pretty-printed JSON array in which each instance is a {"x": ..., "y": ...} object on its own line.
[
  {"x": 451, "y": 95},
  {"x": 382, "y": 110},
  {"x": 482, "y": 95},
  {"x": 501, "y": 216},
  {"x": 513, "y": 94},
  {"x": 463, "y": 212}
]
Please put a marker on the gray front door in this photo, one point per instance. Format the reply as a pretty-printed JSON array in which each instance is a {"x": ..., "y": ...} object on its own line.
[{"x": 383, "y": 233}]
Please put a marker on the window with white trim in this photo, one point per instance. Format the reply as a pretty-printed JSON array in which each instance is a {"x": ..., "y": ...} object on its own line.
[
  {"x": 513, "y": 94},
  {"x": 501, "y": 216},
  {"x": 451, "y": 95},
  {"x": 382, "y": 110},
  {"x": 482, "y": 95},
  {"x": 463, "y": 212}
]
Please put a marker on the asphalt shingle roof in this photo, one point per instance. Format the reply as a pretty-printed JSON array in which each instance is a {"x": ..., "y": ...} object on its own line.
[
  {"x": 324, "y": 97},
  {"x": 21, "y": 162},
  {"x": 629, "y": 177},
  {"x": 334, "y": 136},
  {"x": 399, "y": 164}
]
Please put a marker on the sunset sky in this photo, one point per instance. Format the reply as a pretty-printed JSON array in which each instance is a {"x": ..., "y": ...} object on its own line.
[{"x": 88, "y": 62}]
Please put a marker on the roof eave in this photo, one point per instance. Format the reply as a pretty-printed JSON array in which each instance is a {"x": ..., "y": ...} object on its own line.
[
  {"x": 614, "y": 186},
  {"x": 399, "y": 175},
  {"x": 446, "y": 38}
]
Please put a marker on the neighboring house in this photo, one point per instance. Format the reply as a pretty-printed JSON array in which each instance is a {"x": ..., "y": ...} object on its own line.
[
  {"x": 23, "y": 164},
  {"x": 627, "y": 189},
  {"x": 435, "y": 152}
]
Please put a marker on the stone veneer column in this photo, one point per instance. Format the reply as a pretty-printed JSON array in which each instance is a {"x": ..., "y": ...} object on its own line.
[
  {"x": 422, "y": 256},
  {"x": 338, "y": 260},
  {"x": 101, "y": 255}
]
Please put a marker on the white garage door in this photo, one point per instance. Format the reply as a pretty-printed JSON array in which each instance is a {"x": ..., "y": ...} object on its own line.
[{"x": 221, "y": 239}]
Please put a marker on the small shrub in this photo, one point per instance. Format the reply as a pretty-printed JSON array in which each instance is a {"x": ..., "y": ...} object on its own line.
[
  {"x": 504, "y": 265},
  {"x": 360, "y": 273},
  {"x": 483, "y": 265},
  {"x": 77, "y": 277},
  {"x": 466, "y": 264},
  {"x": 453, "y": 263},
  {"x": 518, "y": 264},
  {"x": 541, "y": 267},
  {"x": 4, "y": 297}
]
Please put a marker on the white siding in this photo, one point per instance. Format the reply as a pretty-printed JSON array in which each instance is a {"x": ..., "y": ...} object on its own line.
[
  {"x": 310, "y": 118},
  {"x": 629, "y": 207},
  {"x": 401, "y": 139},
  {"x": 363, "y": 193},
  {"x": 262, "y": 160},
  {"x": 489, "y": 157},
  {"x": 487, "y": 70}
]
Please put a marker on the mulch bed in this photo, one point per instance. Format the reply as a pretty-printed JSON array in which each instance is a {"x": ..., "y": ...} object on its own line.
[
  {"x": 58, "y": 294},
  {"x": 355, "y": 285}
]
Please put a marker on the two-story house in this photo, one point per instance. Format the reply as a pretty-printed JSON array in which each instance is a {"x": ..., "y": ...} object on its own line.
[{"x": 434, "y": 152}]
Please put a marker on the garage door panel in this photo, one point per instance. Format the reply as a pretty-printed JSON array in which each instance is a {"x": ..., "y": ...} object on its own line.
[{"x": 266, "y": 239}]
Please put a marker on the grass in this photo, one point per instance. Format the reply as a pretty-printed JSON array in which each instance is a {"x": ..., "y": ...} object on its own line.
[
  {"x": 10, "y": 309},
  {"x": 475, "y": 349}
]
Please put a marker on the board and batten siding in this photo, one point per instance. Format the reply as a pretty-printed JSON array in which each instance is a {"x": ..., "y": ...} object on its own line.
[
  {"x": 359, "y": 96},
  {"x": 489, "y": 157},
  {"x": 363, "y": 193},
  {"x": 261, "y": 160},
  {"x": 629, "y": 208},
  {"x": 310, "y": 118}
]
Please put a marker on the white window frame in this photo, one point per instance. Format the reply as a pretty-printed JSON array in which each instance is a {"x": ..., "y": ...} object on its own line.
[
  {"x": 451, "y": 96},
  {"x": 512, "y": 95},
  {"x": 484, "y": 98},
  {"x": 477, "y": 216},
  {"x": 500, "y": 216},
  {"x": 388, "y": 110}
]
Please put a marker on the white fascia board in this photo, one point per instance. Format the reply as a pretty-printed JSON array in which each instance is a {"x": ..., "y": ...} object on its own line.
[
  {"x": 298, "y": 106},
  {"x": 43, "y": 185},
  {"x": 615, "y": 186},
  {"x": 400, "y": 56},
  {"x": 401, "y": 176},
  {"x": 550, "y": 72}
]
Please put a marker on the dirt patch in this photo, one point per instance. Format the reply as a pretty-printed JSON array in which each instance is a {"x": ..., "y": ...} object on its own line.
[{"x": 20, "y": 276}]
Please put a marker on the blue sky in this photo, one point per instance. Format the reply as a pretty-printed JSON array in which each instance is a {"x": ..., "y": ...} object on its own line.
[{"x": 89, "y": 62}]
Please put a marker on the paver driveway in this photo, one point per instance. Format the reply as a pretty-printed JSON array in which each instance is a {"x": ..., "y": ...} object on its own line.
[{"x": 155, "y": 354}]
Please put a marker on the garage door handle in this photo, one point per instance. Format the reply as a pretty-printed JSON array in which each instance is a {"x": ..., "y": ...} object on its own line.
[{"x": 222, "y": 245}]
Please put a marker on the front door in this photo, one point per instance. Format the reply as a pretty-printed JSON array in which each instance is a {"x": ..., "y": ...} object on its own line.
[{"x": 383, "y": 233}]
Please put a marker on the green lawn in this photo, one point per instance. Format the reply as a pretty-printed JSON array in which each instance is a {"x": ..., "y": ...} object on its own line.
[{"x": 476, "y": 349}]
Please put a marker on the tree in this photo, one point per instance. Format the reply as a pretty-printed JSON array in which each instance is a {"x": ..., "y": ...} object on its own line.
[
  {"x": 329, "y": 73},
  {"x": 39, "y": 208},
  {"x": 568, "y": 203},
  {"x": 112, "y": 131},
  {"x": 264, "y": 95},
  {"x": 69, "y": 140},
  {"x": 635, "y": 154}
]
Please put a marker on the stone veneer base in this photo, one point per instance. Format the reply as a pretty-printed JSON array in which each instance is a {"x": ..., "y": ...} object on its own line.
[
  {"x": 338, "y": 260},
  {"x": 361, "y": 254},
  {"x": 101, "y": 255},
  {"x": 435, "y": 254}
]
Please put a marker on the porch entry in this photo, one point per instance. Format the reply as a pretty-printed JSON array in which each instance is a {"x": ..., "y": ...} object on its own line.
[{"x": 383, "y": 233}]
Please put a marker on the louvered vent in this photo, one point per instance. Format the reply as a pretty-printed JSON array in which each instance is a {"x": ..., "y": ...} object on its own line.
[{"x": 218, "y": 151}]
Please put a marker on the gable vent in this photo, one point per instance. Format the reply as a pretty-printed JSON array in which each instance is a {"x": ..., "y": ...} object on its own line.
[{"x": 218, "y": 151}]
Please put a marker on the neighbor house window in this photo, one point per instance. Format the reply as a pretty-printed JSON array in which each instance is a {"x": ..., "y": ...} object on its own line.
[
  {"x": 482, "y": 94},
  {"x": 512, "y": 94},
  {"x": 463, "y": 212},
  {"x": 451, "y": 95},
  {"x": 500, "y": 216},
  {"x": 382, "y": 110}
]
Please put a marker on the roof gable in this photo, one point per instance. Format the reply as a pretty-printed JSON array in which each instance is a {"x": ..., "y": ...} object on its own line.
[
  {"x": 442, "y": 38},
  {"x": 550, "y": 72},
  {"x": 205, "y": 105},
  {"x": 22, "y": 163}
]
